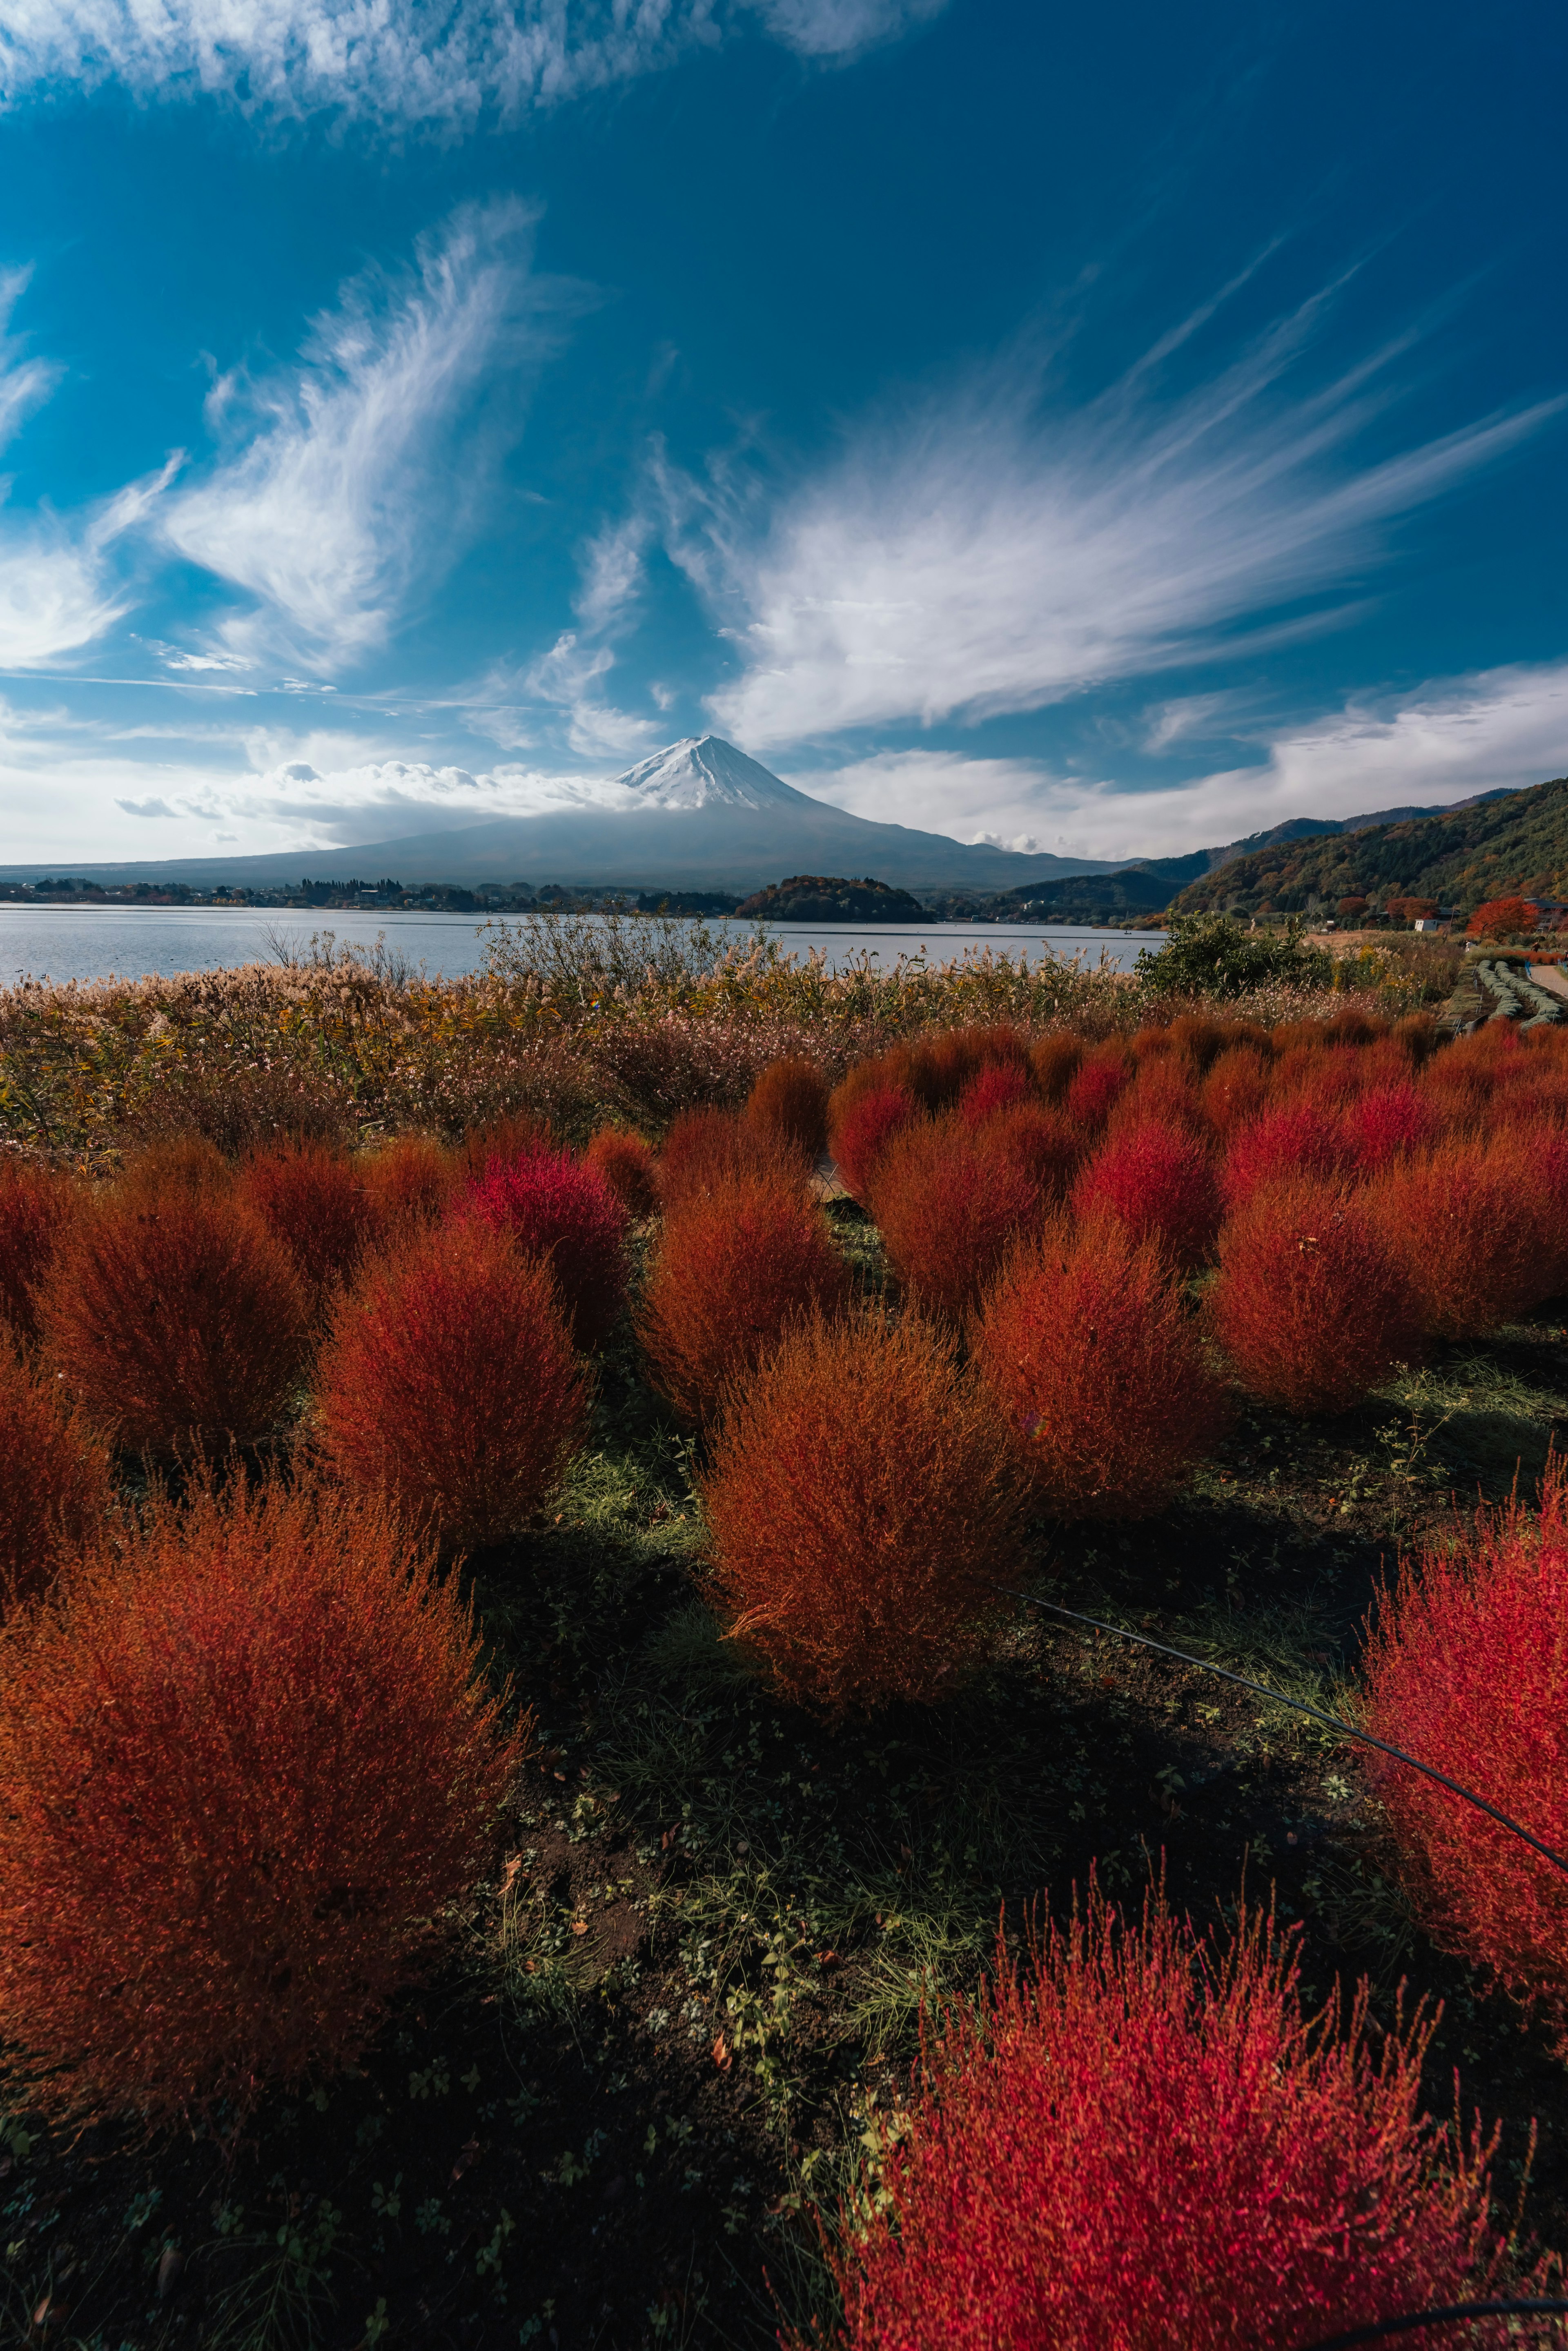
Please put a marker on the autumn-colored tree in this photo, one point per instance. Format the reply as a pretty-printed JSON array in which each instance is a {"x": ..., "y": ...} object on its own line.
[{"x": 1504, "y": 918}]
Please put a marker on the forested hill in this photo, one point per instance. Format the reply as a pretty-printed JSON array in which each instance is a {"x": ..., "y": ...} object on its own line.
[{"x": 1515, "y": 845}]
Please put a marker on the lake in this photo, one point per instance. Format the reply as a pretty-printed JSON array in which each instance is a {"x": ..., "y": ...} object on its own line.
[{"x": 86, "y": 943}]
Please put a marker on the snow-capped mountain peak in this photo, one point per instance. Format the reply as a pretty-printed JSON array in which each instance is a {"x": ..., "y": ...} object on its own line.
[{"x": 705, "y": 771}]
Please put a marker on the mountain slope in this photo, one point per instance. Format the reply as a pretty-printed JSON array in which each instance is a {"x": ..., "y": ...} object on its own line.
[
  {"x": 699, "y": 814},
  {"x": 1489, "y": 848}
]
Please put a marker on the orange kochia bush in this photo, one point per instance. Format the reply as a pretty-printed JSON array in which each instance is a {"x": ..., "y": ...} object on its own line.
[
  {"x": 317, "y": 1202},
  {"x": 448, "y": 1382},
  {"x": 947, "y": 1205},
  {"x": 789, "y": 1103},
  {"x": 1139, "y": 2142},
  {"x": 733, "y": 1266},
  {"x": 294, "y": 1765},
  {"x": 55, "y": 1489},
  {"x": 1083, "y": 1344},
  {"x": 176, "y": 1320},
  {"x": 862, "y": 1504}
]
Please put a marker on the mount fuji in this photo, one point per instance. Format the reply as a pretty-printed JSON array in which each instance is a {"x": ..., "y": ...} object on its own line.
[{"x": 698, "y": 814}]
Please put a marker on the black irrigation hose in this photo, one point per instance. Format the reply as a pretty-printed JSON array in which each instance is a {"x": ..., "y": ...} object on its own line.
[
  {"x": 1454, "y": 2316},
  {"x": 1278, "y": 1699}
]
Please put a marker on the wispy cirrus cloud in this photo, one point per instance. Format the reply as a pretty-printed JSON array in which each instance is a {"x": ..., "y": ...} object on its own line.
[
  {"x": 353, "y": 478},
  {"x": 402, "y": 63},
  {"x": 991, "y": 549},
  {"x": 59, "y": 586}
]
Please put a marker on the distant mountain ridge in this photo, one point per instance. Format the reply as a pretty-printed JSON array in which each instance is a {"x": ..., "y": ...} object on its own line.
[{"x": 1499, "y": 844}]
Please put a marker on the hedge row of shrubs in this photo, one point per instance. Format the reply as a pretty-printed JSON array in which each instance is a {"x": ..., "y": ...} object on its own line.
[{"x": 293, "y": 1764}]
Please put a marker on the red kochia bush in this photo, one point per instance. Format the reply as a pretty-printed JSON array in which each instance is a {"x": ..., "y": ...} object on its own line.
[
  {"x": 1295, "y": 1139},
  {"x": 626, "y": 1161},
  {"x": 1040, "y": 1143},
  {"x": 449, "y": 1383},
  {"x": 55, "y": 1491},
  {"x": 556, "y": 1208},
  {"x": 789, "y": 1103},
  {"x": 1161, "y": 1184},
  {"x": 34, "y": 1204},
  {"x": 1083, "y": 1345},
  {"x": 295, "y": 1764},
  {"x": 860, "y": 1503},
  {"x": 863, "y": 1131},
  {"x": 1467, "y": 1668},
  {"x": 1312, "y": 1306},
  {"x": 177, "y": 1323},
  {"x": 948, "y": 1206},
  {"x": 317, "y": 1203},
  {"x": 1000, "y": 1086},
  {"x": 1388, "y": 1123},
  {"x": 1139, "y": 2142},
  {"x": 1459, "y": 1221},
  {"x": 1096, "y": 1084},
  {"x": 734, "y": 1267}
]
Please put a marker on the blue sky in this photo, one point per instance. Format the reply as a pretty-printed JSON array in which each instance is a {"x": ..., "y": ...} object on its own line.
[{"x": 1107, "y": 431}]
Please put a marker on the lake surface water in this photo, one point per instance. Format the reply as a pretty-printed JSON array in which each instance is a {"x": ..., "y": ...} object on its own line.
[{"x": 89, "y": 943}]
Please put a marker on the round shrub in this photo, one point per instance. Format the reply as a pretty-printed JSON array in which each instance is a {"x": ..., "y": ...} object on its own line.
[
  {"x": 177, "y": 1323},
  {"x": 626, "y": 1161},
  {"x": 704, "y": 1147},
  {"x": 1457, "y": 1219},
  {"x": 789, "y": 1105},
  {"x": 948, "y": 1206},
  {"x": 554, "y": 1207},
  {"x": 1292, "y": 1139},
  {"x": 1000, "y": 1086},
  {"x": 1312, "y": 1306},
  {"x": 1389, "y": 1121},
  {"x": 185, "y": 1163},
  {"x": 1040, "y": 1143},
  {"x": 1467, "y": 1666},
  {"x": 1235, "y": 1088},
  {"x": 1055, "y": 1062},
  {"x": 294, "y": 1766},
  {"x": 55, "y": 1489},
  {"x": 1097, "y": 1373},
  {"x": 318, "y": 1204},
  {"x": 864, "y": 1130},
  {"x": 734, "y": 1267},
  {"x": 1142, "y": 2142},
  {"x": 34, "y": 1203},
  {"x": 1161, "y": 1184},
  {"x": 511, "y": 1136},
  {"x": 943, "y": 1063},
  {"x": 862, "y": 1502},
  {"x": 448, "y": 1382},
  {"x": 410, "y": 1180},
  {"x": 1096, "y": 1085}
]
